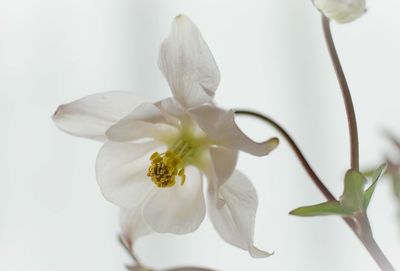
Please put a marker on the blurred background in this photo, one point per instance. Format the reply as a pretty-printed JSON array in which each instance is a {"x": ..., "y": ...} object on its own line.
[{"x": 272, "y": 58}]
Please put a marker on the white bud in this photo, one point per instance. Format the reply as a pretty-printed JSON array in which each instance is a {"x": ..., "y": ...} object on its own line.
[{"x": 341, "y": 11}]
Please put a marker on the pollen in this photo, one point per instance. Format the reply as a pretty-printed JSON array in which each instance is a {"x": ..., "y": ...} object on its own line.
[{"x": 165, "y": 168}]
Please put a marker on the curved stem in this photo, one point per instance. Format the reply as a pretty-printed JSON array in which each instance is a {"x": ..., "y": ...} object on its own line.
[
  {"x": 314, "y": 177},
  {"x": 363, "y": 227},
  {"x": 133, "y": 255},
  {"x": 317, "y": 181},
  {"x": 351, "y": 116},
  {"x": 358, "y": 224}
]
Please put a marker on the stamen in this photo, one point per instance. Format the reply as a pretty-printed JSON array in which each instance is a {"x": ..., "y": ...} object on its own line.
[
  {"x": 164, "y": 168},
  {"x": 154, "y": 155},
  {"x": 181, "y": 173}
]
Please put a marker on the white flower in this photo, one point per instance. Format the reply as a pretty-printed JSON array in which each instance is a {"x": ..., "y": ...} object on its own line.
[
  {"x": 341, "y": 11},
  {"x": 155, "y": 155}
]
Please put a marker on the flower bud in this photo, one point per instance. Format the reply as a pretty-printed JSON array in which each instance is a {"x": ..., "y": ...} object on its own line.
[{"x": 341, "y": 11}]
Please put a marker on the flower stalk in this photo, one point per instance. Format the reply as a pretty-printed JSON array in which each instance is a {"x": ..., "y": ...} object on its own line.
[
  {"x": 134, "y": 257},
  {"x": 363, "y": 228},
  {"x": 310, "y": 171},
  {"x": 351, "y": 115},
  {"x": 369, "y": 242},
  {"x": 359, "y": 224}
]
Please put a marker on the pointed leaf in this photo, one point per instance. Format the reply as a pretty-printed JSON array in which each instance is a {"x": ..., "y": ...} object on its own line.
[
  {"x": 370, "y": 191},
  {"x": 326, "y": 208},
  {"x": 353, "y": 194}
]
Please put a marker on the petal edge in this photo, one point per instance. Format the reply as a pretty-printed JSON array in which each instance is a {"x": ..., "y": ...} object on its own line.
[{"x": 92, "y": 115}]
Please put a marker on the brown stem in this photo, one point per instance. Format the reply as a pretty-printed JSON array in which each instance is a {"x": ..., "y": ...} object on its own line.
[
  {"x": 317, "y": 181},
  {"x": 351, "y": 116},
  {"x": 133, "y": 255},
  {"x": 314, "y": 177},
  {"x": 371, "y": 245},
  {"x": 358, "y": 224},
  {"x": 363, "y": 228}
]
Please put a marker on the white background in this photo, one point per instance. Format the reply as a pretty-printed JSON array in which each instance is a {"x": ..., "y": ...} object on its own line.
[{"x": 272, "y": 58}]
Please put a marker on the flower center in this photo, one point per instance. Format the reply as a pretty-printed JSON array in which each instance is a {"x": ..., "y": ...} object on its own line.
[{"x": 166, "y": 167}]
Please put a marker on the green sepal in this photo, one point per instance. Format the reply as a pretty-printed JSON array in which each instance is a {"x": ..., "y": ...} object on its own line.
[
  {"x": 353, "y": 194},
  {"x": 322, "y": 209},
  {"x": 353, "y": 199},
  {"x": 370, "y": 191}
]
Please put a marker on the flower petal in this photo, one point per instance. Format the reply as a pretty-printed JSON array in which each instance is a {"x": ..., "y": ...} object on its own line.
[
  {"x": 92, "y": 115},
  {"x": 179, "y": 209},
  {"x": 133, "y": 225},
  {"x": 342, "y": 11},
  {"x": 220, "y": 126},
  {"x": 145, "y": 121},
  {"x": 224, "y": 162},
  {"x": 188, "y": 64},
  {"x": 121, "y": 172},
  {"x": 235, "y": 220},
  {"x": 172, "y": 108}
]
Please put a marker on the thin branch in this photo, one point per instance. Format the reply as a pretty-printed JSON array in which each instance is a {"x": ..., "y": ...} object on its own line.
[
  {"x": 307, "y": 167},
  {"x": 359, "y": 224},
  {"x": 132, "y": 254},
  {"x": 351, "y": 116},
  {"x": 363, "y": 227},
  {"x": 314, "y": 177},
  {"x": 142, "y": 267},
  {"x": 371, "y": 245}
]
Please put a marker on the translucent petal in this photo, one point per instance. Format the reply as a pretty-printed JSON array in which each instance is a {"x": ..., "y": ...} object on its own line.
[
  {"x": 121, "y": 172},
  {"x": 220, "y": 126},
  {"x": 92, "y": 115},
  {"x": 133, "y": 225},
  {"x": 174, "y": 110},
  {"x": 179, "y": 209},
  {"x": 146, "y": 121},
  {"x": 235, "y": 219},
  {"x": 224, "y": 162},
  {"x": 188, "y": 64}
]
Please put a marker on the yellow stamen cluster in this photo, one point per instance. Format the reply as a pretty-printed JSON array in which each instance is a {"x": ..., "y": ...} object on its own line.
[{"x": 164, "y": 168}]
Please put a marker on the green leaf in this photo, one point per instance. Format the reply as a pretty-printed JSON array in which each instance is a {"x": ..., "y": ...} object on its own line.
[
  {"x": 370, "y": 191},
  {"x": 353, "y": 194},
  {"x": 326, "y": 208}
]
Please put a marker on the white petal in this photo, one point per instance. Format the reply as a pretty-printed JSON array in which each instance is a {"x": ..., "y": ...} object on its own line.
[
  {"x": 133, "y": 225},
  {"x": 235, "y": 219},
  {"x": 121, "y": 170},
  {"x": 188, "y": 64},
  {"x": 146, "y": 121},
  {"x": 224, "y": 162},
  {"x": 92, "y": 115},
  {"x": 220, "y": 126},
  {"x": 179, "y": 209},
  {"x": 342, "y": 11},
  {"x": 172, "y": 108}
]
